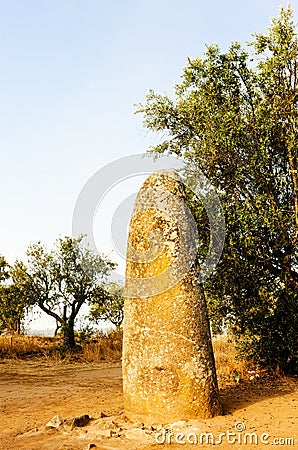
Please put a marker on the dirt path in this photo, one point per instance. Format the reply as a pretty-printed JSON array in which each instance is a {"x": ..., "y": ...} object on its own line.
[{"x": 31, "y": 393}]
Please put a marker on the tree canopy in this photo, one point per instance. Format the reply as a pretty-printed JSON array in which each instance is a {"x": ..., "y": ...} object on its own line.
[
  {"x": 108, "y": 304},
  {"x": 62, "y": 280},
  {"x": 234, "y": 116}
]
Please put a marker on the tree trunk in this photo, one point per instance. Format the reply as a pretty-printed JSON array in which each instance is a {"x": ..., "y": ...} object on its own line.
[
  {"x": 68, "y": 335},
  {"x": 58, "y": 326},
  {"x": 18, "y": 326}
]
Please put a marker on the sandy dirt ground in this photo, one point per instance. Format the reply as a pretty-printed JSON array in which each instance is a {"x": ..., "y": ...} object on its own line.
[{"x": 31, "y": 393}]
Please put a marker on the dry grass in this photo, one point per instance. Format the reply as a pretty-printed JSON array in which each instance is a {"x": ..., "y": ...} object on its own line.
[
  {"x": 101, "y": 348},
  {"x": 108, "y": 347},
  {"x": 226, "y": 361},
  {"x": 18, "y": 346}
]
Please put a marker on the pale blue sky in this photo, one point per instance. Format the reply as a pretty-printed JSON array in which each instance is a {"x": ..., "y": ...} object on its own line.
[{"x": 70, "y": 74}]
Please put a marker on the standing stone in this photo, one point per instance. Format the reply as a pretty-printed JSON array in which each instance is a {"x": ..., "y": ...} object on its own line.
[{"x": 168, "y": 363}]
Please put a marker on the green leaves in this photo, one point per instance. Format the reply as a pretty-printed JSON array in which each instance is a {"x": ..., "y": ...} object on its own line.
[
  {"x": 108, "y": 304},
  {"x": 4, "y": 269}
]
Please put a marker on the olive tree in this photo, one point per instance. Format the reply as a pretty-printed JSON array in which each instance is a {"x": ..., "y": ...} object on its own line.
[{"x": 60, "y": 281}]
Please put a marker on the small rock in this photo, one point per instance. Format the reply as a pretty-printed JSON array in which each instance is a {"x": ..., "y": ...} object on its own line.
[
  {"x": 104, "y": 433},
  {"x": 100, "y": 415},
  {"x": 136, "y": 434},
  {"x": 156, "y": 427},
  {"x": 55, "y": 422},
  {"x": 34, "y": 431},
  {"x": 138, "y": 425},
  {"x": 108, "y": 425},
  {"x": 91, "y": 446},
  {"x": 68, "y": 425},
  {"x": 81, "y": 421},
  {"x": 176, "y": 426}
]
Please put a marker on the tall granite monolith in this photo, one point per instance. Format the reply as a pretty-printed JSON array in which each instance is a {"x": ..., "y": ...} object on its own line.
[{"x": 168, "y": 363}]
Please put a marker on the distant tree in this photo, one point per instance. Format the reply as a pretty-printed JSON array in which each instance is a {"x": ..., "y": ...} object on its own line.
[
  {"x": 4, "y": 269},
  {"x": 235, "y": 117},
  {"x": 13, "y": 309},
  {"x": 108, "y": 304},
  {"x": 62, "y": 280},
  {"x": 13, "y": 304}
]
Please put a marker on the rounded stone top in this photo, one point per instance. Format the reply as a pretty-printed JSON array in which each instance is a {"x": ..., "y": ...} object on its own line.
[{"x": 165, "y": 180}]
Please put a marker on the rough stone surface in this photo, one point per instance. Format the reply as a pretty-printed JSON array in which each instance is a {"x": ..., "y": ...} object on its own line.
[{"x": 168, "y": 364}]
